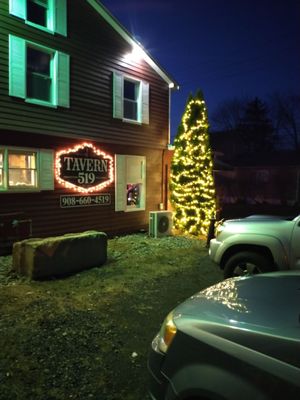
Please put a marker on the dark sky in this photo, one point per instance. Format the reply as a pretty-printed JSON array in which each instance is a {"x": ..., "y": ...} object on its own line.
[{"x": 226, "y": 48}]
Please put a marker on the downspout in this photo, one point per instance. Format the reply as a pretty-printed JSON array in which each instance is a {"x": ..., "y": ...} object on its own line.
[
  {"x": 169, "y": 121},
  {"x": 164, "y": 168}
]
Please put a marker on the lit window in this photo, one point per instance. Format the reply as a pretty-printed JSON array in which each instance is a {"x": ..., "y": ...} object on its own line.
[
  {"x": 130, "y": 189},
  {"x": 1, "y": 169},
  {"x": 131, "y": 100},
  {"x": 37, "y": 12},
  {"x": 26, "y": 170},
  {"x": 22, "y": 169},
  {"x": 38, "y": 74},
  {"x": 134, "y": 191}
]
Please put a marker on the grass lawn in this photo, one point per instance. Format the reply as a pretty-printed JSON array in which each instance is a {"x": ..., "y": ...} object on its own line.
[{"x": 87, "y": 336}]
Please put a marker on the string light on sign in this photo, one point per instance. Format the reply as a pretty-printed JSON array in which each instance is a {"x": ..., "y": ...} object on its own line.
[{"x": 84, "y": 168}]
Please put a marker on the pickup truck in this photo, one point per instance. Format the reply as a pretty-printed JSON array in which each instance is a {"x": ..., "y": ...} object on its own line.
[{"x": 254, "y": 244}]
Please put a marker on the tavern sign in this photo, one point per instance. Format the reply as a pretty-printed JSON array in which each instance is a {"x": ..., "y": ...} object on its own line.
[{"x": 84, "y": 168}]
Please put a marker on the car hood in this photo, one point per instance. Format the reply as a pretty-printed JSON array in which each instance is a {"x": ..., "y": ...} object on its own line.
[
  {"x": 258, "y": 221},
  {"x": 267, "y": 303}
]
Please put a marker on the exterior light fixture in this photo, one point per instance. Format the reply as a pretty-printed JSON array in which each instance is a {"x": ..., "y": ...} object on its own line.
[{"x": 136, "y": 55}]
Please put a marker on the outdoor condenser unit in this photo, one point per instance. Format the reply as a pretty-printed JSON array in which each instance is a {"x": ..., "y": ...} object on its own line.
[{"x": 160, "y": 223}]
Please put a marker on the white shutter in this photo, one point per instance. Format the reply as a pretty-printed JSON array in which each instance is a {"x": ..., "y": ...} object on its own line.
[
  {"x": 60, "y": 17},
  {"x": 63, "y": 79},
  {"x": 145, "y": 103},
  {"x": 17, "y": 67},
  {"x": 120, "y": 182},
  {"x": 46, "y": 170},
  {"x": 117, "y": 95},
  {"x": 18, "y": 8},
  {"x": 134, "y": 169},
  {"x": 143, "y": 174}
]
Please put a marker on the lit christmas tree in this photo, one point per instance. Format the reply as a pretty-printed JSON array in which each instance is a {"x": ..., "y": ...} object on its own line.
[{"x": 192, "y": 183}]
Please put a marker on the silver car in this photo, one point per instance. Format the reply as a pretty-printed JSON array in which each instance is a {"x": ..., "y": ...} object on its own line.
[{"x": 239, "y": 339}]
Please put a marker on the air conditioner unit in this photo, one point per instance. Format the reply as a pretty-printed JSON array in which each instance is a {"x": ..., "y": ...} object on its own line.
[{"x": 160, "y": 223}]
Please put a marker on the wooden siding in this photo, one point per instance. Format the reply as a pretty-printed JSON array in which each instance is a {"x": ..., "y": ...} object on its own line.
[
  {"x": 43, "y": 208},
  {"x": 96, "y": 50}
]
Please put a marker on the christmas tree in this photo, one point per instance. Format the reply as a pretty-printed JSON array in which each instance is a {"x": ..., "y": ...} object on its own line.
[{"x": 192, "y": 183}]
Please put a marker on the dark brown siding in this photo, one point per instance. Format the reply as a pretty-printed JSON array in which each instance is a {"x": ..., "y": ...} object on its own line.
[
  {"x": 95, "y": 50},
  {"x": 44, "y": 207}
]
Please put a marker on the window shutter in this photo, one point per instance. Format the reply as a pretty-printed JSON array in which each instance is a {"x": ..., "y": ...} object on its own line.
[
  {"x": 143, "y": 169},
  {"x": 120, "y": 182},
  {"x": 17, "y": 67},
  {"x": 46, "y": 171},
  {"x": 117, "y": 95},
  {"x": 134, "y": 169},
  {"x": 60, "y": 17},
  {"x": 145, "y": 103},
  {"x": 17, "y": 8},
  {"x": 63, "y": 79}
]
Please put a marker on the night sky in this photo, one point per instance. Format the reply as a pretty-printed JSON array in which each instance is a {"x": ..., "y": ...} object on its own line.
[{"x": 226, "y": 48}]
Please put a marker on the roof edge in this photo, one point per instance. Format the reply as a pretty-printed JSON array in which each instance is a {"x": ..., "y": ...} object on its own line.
[{"x": 125, "y": 34}]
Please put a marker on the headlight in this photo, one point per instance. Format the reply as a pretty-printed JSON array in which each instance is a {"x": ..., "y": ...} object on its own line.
[
  {"x": 219, "y": 227},
  {"x": 167, "y": 333}
]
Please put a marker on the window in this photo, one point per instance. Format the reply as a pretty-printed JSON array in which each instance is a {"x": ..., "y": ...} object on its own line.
[
  {"x": 38, "y": 74},
  {"x": 1, "y": 168},
  {"x": 133, "y": 198},
  {"x": 262, "y": 176},
  {"x": 48, "y": 15},
  {"x": 130, "y": 189},
  {"x": 38, "y": 12},
  {"x": 22, "y": 169},
  {"x": 131, "y": 99},
  {"x": 131, "y": 103},
  {"x": 26, "y": 169}
]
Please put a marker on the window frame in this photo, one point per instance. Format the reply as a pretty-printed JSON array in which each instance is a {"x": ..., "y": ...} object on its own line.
[
  {"x": 11, "y": 151},
  {"x": 2, "y": 169},
  {"x": 56, "y": 18},
  {"x": 50, "y": 17},
  {"x": 53, "y": 75},
  {"x": 43, "y": 182},
  {"x": 143, "y": 103},
  {"x": 18, "y": 73},
  {"x": 138, "y": 102},
  {"x": 123, "y": 179},
  {"x": 262, "y": 176}
]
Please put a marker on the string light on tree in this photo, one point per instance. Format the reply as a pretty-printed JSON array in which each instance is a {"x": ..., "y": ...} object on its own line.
[{"x": 192, "y": 184}]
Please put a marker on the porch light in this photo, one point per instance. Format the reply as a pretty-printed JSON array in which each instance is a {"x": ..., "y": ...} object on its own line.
[{"x": 136, "y": 55}]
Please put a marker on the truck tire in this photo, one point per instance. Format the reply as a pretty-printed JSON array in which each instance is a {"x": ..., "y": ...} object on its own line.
[{"x": 246, "y": 263}]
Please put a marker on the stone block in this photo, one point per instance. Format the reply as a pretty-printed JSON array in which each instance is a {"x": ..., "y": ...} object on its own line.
[{"x": 60, "y": 255}]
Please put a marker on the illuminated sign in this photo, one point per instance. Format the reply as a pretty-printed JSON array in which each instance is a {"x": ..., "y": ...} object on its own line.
[{"x": 84, "y": 168}]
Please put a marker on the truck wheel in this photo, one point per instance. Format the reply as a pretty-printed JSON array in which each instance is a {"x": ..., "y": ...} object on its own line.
[{"x": 246, "y": 263}]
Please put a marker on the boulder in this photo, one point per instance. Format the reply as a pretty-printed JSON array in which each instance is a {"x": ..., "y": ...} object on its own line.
[{"x": 61, "y": 255}]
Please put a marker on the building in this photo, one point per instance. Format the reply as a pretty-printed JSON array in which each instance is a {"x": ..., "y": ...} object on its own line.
[
  {"x": 84, "y": 120},
  {"x": 265, "y": 183}
]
